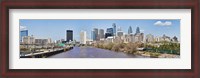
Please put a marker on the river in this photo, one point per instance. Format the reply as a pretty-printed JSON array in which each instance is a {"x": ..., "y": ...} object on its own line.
[{"x": 91, "y": 52}]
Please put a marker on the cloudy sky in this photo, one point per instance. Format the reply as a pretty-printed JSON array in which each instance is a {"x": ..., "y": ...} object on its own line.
[{"x": 56, "y": 29}]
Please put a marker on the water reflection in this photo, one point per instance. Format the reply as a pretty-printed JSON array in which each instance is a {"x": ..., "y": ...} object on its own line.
[{"x": 91, "y": 52}]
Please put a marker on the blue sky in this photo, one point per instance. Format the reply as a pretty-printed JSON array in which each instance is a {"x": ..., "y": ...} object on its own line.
[{"x": 56, "y": 29}]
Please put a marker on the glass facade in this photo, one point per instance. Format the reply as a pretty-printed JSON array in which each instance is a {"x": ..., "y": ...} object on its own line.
[{"x": 23, "y": 33}]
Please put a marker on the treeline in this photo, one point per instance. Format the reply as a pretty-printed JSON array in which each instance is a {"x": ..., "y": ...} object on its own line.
[
  {"x": 170, "y": 48},
  {"x": 119, "y": 47}
]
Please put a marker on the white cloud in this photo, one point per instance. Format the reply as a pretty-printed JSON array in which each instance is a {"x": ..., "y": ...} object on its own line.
[
  {"x": 23, "y": 28},
  {"x": 166, "y": 23}
]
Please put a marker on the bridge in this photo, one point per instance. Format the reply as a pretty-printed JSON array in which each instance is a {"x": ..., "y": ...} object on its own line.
[{"x": 45, "y": 53}]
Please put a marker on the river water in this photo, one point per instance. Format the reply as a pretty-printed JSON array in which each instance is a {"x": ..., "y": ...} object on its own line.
[{"x": 91, "y": 52}]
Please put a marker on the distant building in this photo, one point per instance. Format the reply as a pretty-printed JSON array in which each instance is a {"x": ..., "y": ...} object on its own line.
[
  {"x": 110, "y": 39},
  {"x": 69, "y": 35},
  {"x": 120, "y": 33},
  {"x": 166, "y": 38},
  {"x": 83, "y": 38},
  {"x": 95, "y": 34},
  {"x": 138, "y": 37},
  {"x": 23, "y": 33},
  {"x": 114, "y": 29},
  {"x": 130, "y": 30},
  {"x": 108, "y": 35},
  {"x": 137, "y": 30},
  {"x": 101, "y": 34},
  {"x": 174, "y": 39},
  {"x": 110, "y": 30},
  {"x": 149, "y": 38},
  {"x": 43, "y": 41},
  {"x": 92, "y": 35},
  {"x": 28, "y": 40},
  {"x": 157, "y": 39}
]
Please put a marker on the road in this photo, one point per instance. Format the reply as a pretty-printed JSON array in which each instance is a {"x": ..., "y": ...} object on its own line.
[{"x": 91, "y": 52}]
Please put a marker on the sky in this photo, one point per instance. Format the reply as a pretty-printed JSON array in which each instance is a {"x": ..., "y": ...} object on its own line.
[{"x": 56, "y": 29}]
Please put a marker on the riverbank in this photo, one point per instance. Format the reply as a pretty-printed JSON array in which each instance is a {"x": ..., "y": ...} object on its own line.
[{"x": 156, "y": 54}]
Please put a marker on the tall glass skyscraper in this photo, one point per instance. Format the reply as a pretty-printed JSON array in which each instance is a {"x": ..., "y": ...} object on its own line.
[
  {"x": 114, "y": 29},
  {"x": 23, "y": 33},
  {"x": 110, "y": 30},
  {"x": 130, "y": 30},
  {"x": 95, "y": 34},
  {"x": 101, "y": 33},
  {"x": 137, "y": 30},
  {"x": 69, "y": 35}
]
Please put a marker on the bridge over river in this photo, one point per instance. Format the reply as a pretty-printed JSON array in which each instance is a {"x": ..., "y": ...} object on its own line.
[{"x": 92, "y": 52}]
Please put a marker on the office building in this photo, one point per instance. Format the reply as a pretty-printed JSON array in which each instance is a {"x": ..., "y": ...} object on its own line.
[
  {"x": 120, "y": 33},
  {"x": 69, "y": 35},
  {"x": 174, "y": 39},
  {"x": 83, "y": 38},
  {"x": 114, "y": 29},
  {"x": 95, "y": 34},
  {"x": 166, "y": 38},
  {"x": 43, "y": 41},
  {"x": 149, "y": 38},
  {"x": 28, "y": 40},
  {"x": 138, "y": 37},
  {"x": 101, "y": 33},
  {"x": 110, "y": 30},
  {"x": 23, "y": 33},
  {"x": 108, "y": 34},
  {"x": 137, "y": 30},
  {"x": 130, "y": 30}
]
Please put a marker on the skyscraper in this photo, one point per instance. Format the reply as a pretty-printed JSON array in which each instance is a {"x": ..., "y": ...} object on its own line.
[
  {"x": 92, "y": 35},
  {"x": 101, "y": 33},
  {"x": 149, "y": 38},
  {"x": 95, "y": 34},
  {"x": 83, "y": 38},
  {"x": 108, "y": 34},
  {"x": 137, "y": 30},
  {"x": 69, "y": 35},
  {"x": 110, "y": 30},
  {"x": 130, "y": 30},
  {"x": 114, "y": 29},
  {"x": 23, "y": 33}
]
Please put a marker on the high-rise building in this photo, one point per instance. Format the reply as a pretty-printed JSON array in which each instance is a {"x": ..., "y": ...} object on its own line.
[
  {"x": 130, "y": 30},
  {"x": 69, "y": 35},
  {"x": 137, "y": 30},
  {"x": 101, "y": 33},
  {"x": 149, "y": 38},
  {"x": 108, "y": 34},
  {"x": 43, "y": 41},
  {"x": 110, "y": 30},
  {"x": 83, "y": 38},
  {"x": 175, "y": 39},
  {"x": 23, "y": 33},
  {"x": 114, "y": 29},
  {"x": 95, "y": 34},
  {"x": 138, "y": 37},
  {"x": 28, "y": 40},
  {"x": 120, "y": 33},
  {"x": 166, "y": 38}
]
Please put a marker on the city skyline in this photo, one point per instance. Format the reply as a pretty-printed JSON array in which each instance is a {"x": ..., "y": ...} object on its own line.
[{"x": 56, "y": 29}]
